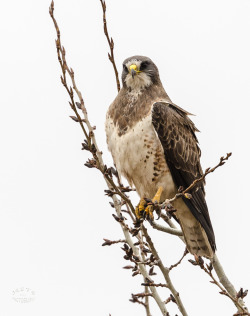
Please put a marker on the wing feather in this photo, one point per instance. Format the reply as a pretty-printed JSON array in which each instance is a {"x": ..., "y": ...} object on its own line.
[{"x": 182, "y": 153}]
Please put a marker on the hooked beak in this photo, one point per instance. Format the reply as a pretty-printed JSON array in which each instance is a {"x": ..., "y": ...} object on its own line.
[
  {"x": 133, "y": 70},
  {"x": 133, "y": 73}
]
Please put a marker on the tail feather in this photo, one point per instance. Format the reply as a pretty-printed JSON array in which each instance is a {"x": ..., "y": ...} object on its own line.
[
  {"x": 196, "y": 239},
  {"x": 194, "y": 234}
]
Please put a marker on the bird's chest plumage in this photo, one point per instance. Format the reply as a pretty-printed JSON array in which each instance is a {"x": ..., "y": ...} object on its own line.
[{"x": 139, "y": 156}]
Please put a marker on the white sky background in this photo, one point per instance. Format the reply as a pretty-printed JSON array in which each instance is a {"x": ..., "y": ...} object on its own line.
[{"x": 53, "y": 210}]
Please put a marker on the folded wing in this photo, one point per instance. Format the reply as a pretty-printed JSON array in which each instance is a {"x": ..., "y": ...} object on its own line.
[{"x": 182, "y": 153}]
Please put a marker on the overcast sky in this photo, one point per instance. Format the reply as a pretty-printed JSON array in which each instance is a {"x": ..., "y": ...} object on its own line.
[{"x": 50, "y": 232}]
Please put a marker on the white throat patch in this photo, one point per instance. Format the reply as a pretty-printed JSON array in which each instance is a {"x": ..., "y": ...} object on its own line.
[{"x": 140, "y": 81}]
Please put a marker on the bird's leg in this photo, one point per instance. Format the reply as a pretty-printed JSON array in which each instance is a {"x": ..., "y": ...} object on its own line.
[
  {"x": 157, "y": 197},
  {"x": 156, "y": 200},
  {"x": 146, "y": 207}
]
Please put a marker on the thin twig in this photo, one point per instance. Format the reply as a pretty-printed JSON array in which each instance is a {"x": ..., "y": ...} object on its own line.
[
  {"x": 111, "y": 44},
  {"x": 62, "y": 61},
  {"x": 208, "y": 270},
  {"x": 143, "y": 294},
  {"x": 154, "y": 284},
  {"x": 195, "y": 182},
  {"x": 207, "y": 171},
  {"x": 179, "y": 262},
  {"x": 108, "y": 242},
  {"x": 136, "y": 300}
]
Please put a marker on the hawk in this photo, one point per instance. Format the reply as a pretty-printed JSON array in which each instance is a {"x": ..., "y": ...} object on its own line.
[{"x": 154, "y": 146}]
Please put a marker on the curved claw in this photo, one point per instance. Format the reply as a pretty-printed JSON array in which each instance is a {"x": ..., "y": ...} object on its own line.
[
  {"x": 140, "y": 208},
  {"x": 146, "y": 206},
  {"x": 149, "y": 212}
]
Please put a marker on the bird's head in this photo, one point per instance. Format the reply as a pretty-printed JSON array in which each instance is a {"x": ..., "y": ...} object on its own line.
[{"x": 139, "y": 72}]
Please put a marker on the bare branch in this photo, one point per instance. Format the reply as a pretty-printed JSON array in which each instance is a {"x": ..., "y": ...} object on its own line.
[
  {"x": 226, "y": 283},
  {"x": 146, "y": 293},
  {"x": 179, "y": 262},
  {"x": 208, "y": 270},
  {"x": 141, "y": 266},
  {"x": 143, "y": 294},
  {"x": 170, "y": 299},
  {"x": 172, "y": 231},
  {"x": 111, "y": 44},
  {"x": 207, "y": 171},
  {"x": 195, "y": 182},
  {"x": 165, "y": 272},
  {"x": 61, "y": 53},
  {"x": 154, "y": 284},
  {"x": 217, "y": 267},
  {"x": 136, "y": 300},
  {"x": 108, "y": 242}
]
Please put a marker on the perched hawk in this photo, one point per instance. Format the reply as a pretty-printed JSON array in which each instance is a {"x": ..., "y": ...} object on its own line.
[{"x": 153, "y": 144}]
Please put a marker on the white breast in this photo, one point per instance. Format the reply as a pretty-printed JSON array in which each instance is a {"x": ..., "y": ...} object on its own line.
[{"x": 139, "y": 156}]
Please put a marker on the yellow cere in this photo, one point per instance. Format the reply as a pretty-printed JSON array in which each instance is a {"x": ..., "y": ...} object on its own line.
[{"x": 133, "y": 66}]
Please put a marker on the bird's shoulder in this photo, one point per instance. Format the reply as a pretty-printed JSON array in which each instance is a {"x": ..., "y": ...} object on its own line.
[
  {"x": 176, "y": 132},
  {"x": 131, "y": 106}
]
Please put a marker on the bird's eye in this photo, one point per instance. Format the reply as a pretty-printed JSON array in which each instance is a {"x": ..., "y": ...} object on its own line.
[
  {"x": 144, "y": 65},
  {"x": 125, "y": 68}
]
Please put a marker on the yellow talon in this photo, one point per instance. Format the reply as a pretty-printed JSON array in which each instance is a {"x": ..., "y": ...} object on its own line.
[
  {"x": 140, "y": 208},
  {"x": 149, "y": 212},
  {"x": 143, "y": 208}
]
